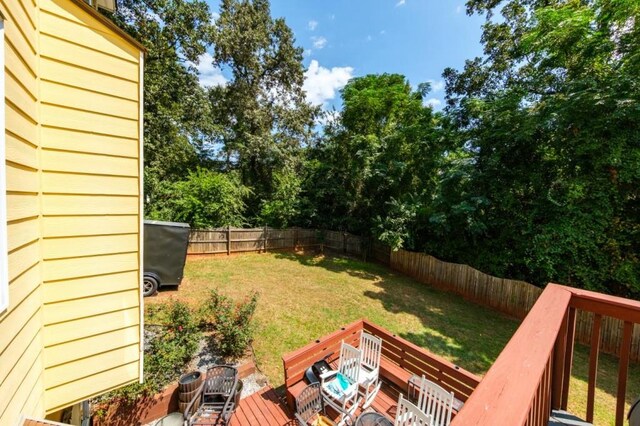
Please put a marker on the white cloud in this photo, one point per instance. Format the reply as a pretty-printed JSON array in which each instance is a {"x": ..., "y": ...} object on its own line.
[
  {"x": 401, "y": 3},
  {"x": 208, "y": 74},
  {"x": 319, "y": 42},
  {"x": 328, "y": 117},
  {"x": 307, "y": 52},
  {"x": 321, "y": 84},
  {"x": 214, "y": 17},
  {"x": 383, "y": 32},
  {"x": 369, "y": 38},
  {"x": 459, "y": 9},
  {"x": 313, "y": 25},
  {"x": 433, "y": 102},
  {"x": 436, "y": 85}
]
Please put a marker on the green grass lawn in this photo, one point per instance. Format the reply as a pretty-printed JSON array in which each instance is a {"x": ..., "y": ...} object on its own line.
[{"x": 304, "y": 297}]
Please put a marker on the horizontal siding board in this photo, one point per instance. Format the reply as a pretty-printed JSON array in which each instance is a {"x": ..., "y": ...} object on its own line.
[
  {"x": 74, "y": 14},
  {"x": 66, "y": 183},
  {"x": 71, "y": 97},
  {"x": 32, "y": 382},
  {"x": 22, "y": 233},
  {"x": 82, "y": 348},
  {"x": 86, "y": 266},
  {"x": 19, "y": 96},
  {"x": 54, "y": 204},
  {"x": 22, "y": 287},
  {"x": 66, "y": 226},
  {"x": 79, "y": 369},
  {"x": 78, "y": 32},
  {"x": 90, "y": 286},
  {"x": 21, "y": 152},
  {"x": 86, "y": 121},
  {"x": 75, "y": 162},
  {"x": 81, "y": 308},
  {"x": 59, "y": 72},
  {"x": 22, "y": 179},
  {"x": 71, "y": 140},
  {"x": 21, "y": 41},
  {"x": 20, "y": 124},
  {"x": 60, "y": 248},
  {"x": 25, "y": 349},
  {"x": 22, "y": 259},
  {"x": 80, "y": 56},
  {"x": 18, "y": 318},
  {"x": 21, "y": 206},
  {"x": 15, "y": 64},
  {"x": 94, "y": 385}
]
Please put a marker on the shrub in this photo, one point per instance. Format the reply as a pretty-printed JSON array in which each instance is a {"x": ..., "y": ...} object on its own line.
[
  {"x": 230, "y": 322},
  {"x": 171, "y": 344}
]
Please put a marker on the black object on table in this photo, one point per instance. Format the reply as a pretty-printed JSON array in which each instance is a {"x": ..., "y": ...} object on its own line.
[{"x": 372, "y": 419}]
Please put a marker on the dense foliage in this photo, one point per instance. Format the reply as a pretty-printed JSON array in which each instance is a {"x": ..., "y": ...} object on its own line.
[
  {"x": 230, "y": 322},
  {"x": 532, "y": 171}
]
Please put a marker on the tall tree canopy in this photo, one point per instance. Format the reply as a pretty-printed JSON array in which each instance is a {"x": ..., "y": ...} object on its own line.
[
  {"x": 550, "y": 118},
  {"x": 377, "y": 162},
  {"x": 177, "y": 114},
  {"x": 263, "y": 109}
]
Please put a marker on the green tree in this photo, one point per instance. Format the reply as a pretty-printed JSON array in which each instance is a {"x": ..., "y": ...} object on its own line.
[
  {"x": 262, "y": 109},
  {"x": 377, "y": 163},
  {"x": 550, "y": 118},
  {"x": 205, "y": 199},
  {"x": 177, "y": 118}
]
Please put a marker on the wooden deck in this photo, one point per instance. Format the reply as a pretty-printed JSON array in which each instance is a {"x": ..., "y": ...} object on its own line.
[
  {"x": 266, "y": 408},
  {"x": 262, "y": 408}
]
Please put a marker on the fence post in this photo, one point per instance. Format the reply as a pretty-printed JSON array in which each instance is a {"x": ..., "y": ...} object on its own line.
[
  {"x": 295, "y": 238},
  {"x": 344, "y": 242},
  {"x": 228, "y": 240},
  {"x": 264, "y": 241}
]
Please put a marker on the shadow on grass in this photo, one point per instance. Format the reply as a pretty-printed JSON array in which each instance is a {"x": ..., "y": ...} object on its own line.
[
  {"x": 469, "y": 335},
  {"x": 353, "y": 267}
]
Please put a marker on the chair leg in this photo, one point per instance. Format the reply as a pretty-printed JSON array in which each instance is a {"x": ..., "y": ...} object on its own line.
[{"x": 370, "y": 394}]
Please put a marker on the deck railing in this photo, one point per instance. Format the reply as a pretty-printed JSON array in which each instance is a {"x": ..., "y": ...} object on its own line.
[
  {"x": 531, "y": 375},
  {"x": 397, "y": 354}
]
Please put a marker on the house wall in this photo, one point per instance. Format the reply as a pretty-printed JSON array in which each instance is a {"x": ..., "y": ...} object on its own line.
[
  {"x": 21, "y": 337},
  {"x": 72, "y": 330}
]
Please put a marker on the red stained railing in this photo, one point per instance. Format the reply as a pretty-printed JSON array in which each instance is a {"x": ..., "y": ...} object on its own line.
[{"x": 531, "y": 375}]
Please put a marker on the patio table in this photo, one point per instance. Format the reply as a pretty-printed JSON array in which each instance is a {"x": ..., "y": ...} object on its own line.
[{"x": 373, "y": 419}]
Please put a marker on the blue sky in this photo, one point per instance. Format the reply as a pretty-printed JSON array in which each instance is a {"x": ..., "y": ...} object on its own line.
[{"x": 348, "y": 38}]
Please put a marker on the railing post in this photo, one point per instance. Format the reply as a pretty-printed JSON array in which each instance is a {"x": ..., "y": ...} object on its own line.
[
  {"x": 623, "y": 370},
  {"x": 593, "y": 365},
  {"x": 559, "y": 354},
  {"x": 568, "y": 357}
]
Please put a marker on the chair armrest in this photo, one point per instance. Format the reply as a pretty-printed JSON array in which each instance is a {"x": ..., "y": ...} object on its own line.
[
  {"x": 326, "y": 375},
  {"x": 229, "y": 405},
  {"x": 187, "y": 411}
]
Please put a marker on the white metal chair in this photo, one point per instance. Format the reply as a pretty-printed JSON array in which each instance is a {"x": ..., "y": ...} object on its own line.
[
  {"x": 371, "y": 348},
  {"x": 435, "y": 401},
  {"x": 408, "y": 414},
  {"x": 340, "y": 388}
]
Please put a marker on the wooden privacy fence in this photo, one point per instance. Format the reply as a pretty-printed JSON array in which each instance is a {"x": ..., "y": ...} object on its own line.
[{"x": 512, "y": 297}]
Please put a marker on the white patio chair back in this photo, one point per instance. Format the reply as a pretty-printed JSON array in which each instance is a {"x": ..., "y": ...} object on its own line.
[
  {"x": 349, "y": 364},
  {"x": 371, "y": 348},
  {"x": 344, "y": 401},
  {"x": 435, "y": 401},
  {"x": 408, "y": 414}
]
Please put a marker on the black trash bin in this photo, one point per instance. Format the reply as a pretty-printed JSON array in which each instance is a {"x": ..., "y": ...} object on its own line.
[{"x": 165, "y": 252}]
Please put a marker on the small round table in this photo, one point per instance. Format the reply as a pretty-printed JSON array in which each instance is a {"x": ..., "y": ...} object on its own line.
[{"x": 372, "y": 419}]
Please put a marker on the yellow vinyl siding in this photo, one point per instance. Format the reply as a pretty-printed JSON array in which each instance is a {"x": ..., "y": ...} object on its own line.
[
  {"x": 58, "y": 397},
  {"x": 91, "y": 143},
  {"x": 89, "y": 113},
  {"x": 21, "y": 348},
  {"x": 55, "y": 204},
  {"x": 72, "y": 140},
  {"x": 90, "y": 286},
  {"x": 68, "y": 352}
]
